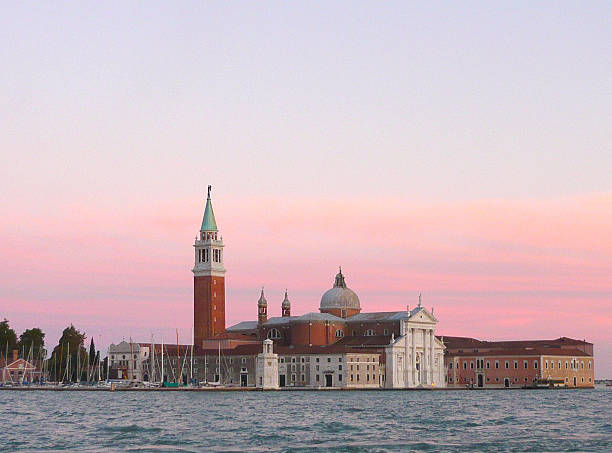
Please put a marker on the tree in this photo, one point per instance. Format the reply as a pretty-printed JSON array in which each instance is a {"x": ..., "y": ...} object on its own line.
[
  {"x": 92, "y": 352},
  {"x": 69, "y": 351},
  {"x": 8, "y": 339},
  {"x": 32, "y": 339}
]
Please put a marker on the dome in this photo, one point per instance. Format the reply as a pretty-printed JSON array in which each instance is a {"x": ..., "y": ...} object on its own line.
[
  {"x": 262, "y": 302},
  {"x": 286, "y": 303},
  {"x": 340, "y": 296}
]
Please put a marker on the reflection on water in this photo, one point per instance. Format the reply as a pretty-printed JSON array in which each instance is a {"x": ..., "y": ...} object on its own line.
[{"x": 515, "y": 420}]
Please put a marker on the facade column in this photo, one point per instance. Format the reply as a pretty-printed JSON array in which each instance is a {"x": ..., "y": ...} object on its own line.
[
  {"x": 414, "y": 370},
  {"x": 432, "y": 342},
  {"x": 424, "y": 358}
]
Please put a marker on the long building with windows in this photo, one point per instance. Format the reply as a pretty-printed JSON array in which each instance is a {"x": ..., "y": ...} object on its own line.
[{"x": 562, "y": 362}]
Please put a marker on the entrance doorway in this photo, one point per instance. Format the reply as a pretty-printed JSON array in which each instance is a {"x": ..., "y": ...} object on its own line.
[
  {"x": 480, "y": 380},
  {"x": 506, "y": 382},
  {"x": 282, "y": 380},
  {"x": 328, "y": 380},
  {"x": 575, "y": 381},
  {"x": 243, "y": 380}
]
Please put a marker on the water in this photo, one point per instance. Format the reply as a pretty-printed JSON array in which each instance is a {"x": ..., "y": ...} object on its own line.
[{"x": 513, "y": 420}]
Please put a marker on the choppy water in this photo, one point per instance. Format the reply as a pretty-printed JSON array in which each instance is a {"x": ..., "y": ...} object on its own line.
[{"x": 513, "y": 420}]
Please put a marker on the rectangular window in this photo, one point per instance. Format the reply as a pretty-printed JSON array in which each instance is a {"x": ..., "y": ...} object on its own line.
[
  {"x": 450, "y": 365},
  {"x": 317, "y": 378},
  {"x": 351, "y": 378},
  {"x": 340, "y": 367},
  {"x": 339, "y": 377}
]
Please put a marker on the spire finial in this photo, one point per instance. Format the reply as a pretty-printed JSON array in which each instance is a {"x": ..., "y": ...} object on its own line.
[
  {"x": 209, "y": 187},
  {"x": 420, "y": 300}
]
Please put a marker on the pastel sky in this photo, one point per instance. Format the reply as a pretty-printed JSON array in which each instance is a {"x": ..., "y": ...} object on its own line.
[{"x": 461, "y": 150}]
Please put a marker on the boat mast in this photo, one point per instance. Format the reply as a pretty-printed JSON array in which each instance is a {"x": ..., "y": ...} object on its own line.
[
  {"x": 219, "y": 362},
  {"x": 178, "y": 356},
  {"x": 152, "y": 360},
  {"x": 162, "y": 363}
]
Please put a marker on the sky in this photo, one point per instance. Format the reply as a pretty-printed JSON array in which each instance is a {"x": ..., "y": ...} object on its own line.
[{"x": 462, "y": 151}]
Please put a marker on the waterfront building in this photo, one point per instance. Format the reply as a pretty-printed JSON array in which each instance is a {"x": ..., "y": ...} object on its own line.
[
  {"x": 129, "y": 361},
  {"x": 496, "y": 364},
  {"x": 18, "y": 370}
]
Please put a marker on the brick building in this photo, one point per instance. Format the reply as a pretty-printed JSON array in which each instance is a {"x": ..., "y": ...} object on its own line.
[{"x": 495, "y": 364}]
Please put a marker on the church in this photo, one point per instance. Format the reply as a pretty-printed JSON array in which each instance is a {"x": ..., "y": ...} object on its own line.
[
  {"x": 338, "y": 346},
  {"x": 396, "y": 349}
]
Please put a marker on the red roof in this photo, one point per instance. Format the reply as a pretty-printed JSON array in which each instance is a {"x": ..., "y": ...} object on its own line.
[
  {"x": 473, "y": 343},
  {"x": 525, "y": 351}
]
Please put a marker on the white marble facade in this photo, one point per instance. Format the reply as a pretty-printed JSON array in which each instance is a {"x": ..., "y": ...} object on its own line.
[{"x": 415, "y": 358}]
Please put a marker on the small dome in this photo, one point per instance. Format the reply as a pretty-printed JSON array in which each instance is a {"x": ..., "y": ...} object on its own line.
[
  {"x": 340, "y": 296},
  {"x": 262, "y": 302},
  {"x": 286, "y": 303}
]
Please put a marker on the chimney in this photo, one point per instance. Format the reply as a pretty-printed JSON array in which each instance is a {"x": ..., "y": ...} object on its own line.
[{"x": 15, "y": 354}]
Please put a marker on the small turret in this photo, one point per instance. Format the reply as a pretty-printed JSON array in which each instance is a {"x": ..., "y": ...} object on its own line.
[
  {"x": 262, "y": 308},
  {"x": 286, "y": 306}
]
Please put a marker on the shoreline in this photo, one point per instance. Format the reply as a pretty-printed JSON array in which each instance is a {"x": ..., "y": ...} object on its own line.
[{"x": 255, "y": 389}]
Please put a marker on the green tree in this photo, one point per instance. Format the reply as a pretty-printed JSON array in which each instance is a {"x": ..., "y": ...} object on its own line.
[
  {"x": 67, "y": 354},
  {"x": 32, "y": 339},
  {"x": 92, "y": 352},
  {"x": 8, "y": 339}
]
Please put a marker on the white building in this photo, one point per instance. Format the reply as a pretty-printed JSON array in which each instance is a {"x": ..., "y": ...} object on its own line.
[
  {"x": 128, "y": 361},
  {"x": 416, "y": 358}
]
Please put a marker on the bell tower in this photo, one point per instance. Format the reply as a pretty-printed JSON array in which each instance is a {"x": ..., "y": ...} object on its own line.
[{"x": 208, "y": 279}]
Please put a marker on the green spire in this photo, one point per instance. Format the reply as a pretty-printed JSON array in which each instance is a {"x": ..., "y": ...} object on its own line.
[{"x": 208, "y": 222}]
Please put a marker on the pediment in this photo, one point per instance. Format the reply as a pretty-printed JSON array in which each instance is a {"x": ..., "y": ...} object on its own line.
[{"x": 421, "y": 314}]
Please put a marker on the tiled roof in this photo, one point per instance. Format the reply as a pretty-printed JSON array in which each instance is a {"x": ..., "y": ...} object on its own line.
[
  {"x": 472, "y": 343},
  {"x": 379, "y": 316},
  {"x": 279, "y": 320},
  {"x": 244, "y": 325},
  {"x": 318, "y": 317},
  {"x": 526, "y": 351}
]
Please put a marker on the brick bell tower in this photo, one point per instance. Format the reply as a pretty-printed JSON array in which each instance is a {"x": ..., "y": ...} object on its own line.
[{"x": 208, "y": 279}]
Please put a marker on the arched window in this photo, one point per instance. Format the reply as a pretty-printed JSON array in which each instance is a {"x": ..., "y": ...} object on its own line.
[
  {"x": 274, "y": 334},
  {"x": 339, "y": 333},
  {"x": 369, "y": 333}
]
